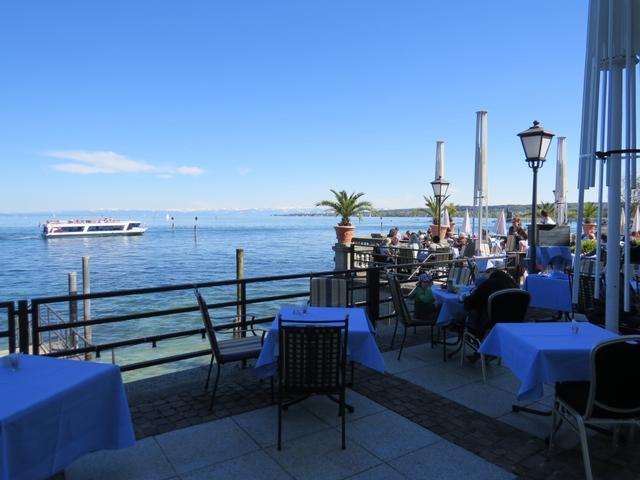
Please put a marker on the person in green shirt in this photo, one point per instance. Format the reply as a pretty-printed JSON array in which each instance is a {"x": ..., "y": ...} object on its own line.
[{"x": 422, "y": 296}]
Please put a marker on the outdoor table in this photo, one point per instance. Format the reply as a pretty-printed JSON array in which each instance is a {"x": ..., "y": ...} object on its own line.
[
  {"x": 539, "y": 353},
  {"x": 451, "y": 307},
  {"x": 362, "y": 347},
  {"x": 550, "y": 292},
  {"x": 53, "y": 411}
]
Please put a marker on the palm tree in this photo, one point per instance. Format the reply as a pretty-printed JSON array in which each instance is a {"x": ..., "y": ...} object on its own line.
[
  {"x": 452, "y": 209},
  {"x": 589, "y": 210},
  {"x": 548, "y": 206},
  {"x": 346, "y": 206},
  {"x": 432, "y": 206}
]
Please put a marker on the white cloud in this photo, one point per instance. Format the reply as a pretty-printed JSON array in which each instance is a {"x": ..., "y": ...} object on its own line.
[
  {"x": 94, "y": 162},
  {"x": 243, "y": 170},
  {"x": 192, "y": 171}
]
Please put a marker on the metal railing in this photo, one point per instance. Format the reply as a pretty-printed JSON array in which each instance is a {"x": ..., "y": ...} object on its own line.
[
  {"x": 10, "y": 332},
  {"x": 35, "y": 326},
  {"x": 39, "y": 327}
]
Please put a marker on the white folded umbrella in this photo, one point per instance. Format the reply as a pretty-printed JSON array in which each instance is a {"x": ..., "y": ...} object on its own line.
[
  {"x": 445, "y": 220},
  {"x": 501, "y": 224},
  {"x": 466, "y": 223}
]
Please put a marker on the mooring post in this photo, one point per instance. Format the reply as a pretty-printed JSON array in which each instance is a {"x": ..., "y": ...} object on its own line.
[
  {"x": 86, "y": 304},
  {"x": 73, "y": 309},
  {"x": 241, "y": 308}
]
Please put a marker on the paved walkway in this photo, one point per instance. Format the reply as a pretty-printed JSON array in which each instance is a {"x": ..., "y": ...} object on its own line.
[{"x": 422, "y": 419}]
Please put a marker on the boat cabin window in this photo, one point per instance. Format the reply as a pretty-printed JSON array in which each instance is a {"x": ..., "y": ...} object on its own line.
[
  {"x": 69, "y": 229},
  {"x": 105, "y": 228},
  {"x": 133, "y": 225}
]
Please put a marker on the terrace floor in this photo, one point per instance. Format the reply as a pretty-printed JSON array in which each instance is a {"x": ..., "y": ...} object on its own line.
[{"x": 424, "y": 418}]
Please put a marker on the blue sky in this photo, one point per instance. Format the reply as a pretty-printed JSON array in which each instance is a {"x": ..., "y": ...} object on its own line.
[{"x": 252, "y": 104}]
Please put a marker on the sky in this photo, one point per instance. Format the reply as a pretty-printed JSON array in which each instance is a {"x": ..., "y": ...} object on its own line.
[{"x": 234, "y": 104}]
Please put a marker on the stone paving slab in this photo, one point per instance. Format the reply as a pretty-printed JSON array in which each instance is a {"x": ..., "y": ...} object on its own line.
[{"x": 179, "y": 400}]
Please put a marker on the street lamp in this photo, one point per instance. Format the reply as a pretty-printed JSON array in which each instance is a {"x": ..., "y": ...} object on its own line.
[
  {"x": 535, "y": 142},
  {"x": 440, "y": 187}
]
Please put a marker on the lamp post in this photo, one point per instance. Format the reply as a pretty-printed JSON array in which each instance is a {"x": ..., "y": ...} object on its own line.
[
  {"x": 440, "y": 187},
  {"x": 535, "y": 142}
]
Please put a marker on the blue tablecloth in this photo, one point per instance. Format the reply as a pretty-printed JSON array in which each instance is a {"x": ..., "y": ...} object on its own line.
[
  {"x": 451, "y": 307},
  {"x": 362, "y": 346},
  {"x": 53, "y": 411},
  {"x": 539, "y": 353},
  {"x": 551, "y": 292},
  {"x": 557, "y": 257}
]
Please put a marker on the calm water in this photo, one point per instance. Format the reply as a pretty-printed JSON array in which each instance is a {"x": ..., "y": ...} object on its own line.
[{"x": 34, "y": 267}]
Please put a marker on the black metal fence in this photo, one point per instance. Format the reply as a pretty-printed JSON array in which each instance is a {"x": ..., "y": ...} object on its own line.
[{"x": 368, "y": 286}]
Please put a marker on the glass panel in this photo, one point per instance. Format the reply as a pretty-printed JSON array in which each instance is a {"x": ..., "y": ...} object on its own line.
[
  {"x": 531, "y": 146},
  {"x": 546, "y": 143}
]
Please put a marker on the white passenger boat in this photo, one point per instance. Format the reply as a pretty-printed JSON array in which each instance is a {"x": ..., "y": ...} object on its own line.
[{"x": 91, "y": 228}]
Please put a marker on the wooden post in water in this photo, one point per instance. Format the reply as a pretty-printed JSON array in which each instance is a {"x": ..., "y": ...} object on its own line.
[
  {"x": 239, "y": 290},
  {"x": 86, "y": 307},
  {"x": 73, "y": 308}
]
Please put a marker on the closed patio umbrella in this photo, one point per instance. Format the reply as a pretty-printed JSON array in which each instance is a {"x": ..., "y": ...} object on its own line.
[
  {"x": 636, "y": 220},
  {"x": 501, "y": 224},
  {"x": 480, "y": 195},
  {"x": 466, "y": 222},
  {"x": 445, "y": 219},
  {"x": 561, "y": 183}
]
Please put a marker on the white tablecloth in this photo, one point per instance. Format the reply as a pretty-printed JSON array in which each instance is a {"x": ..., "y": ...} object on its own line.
[
  {"x": 548, "y": 292},
  {"x": 451, "y": 307},
  {"x": 54, "y": 411},
  {"x": 539, "y": 353},
  {"x": 362, "y": 346}
]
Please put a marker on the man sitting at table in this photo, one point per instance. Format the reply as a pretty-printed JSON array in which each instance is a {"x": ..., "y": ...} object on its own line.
[{"x": 477, "y": 302}]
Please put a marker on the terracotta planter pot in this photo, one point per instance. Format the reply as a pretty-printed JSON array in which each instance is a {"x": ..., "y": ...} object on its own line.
[
  {"x": 588, "y": 228},
  {"x": 434, "y": 231},
  {"x": 344, "y": 233},
  {"x": 452, "y": 226}
]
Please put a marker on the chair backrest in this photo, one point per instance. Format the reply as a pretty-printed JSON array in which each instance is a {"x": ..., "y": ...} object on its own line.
[
  {"x": 460, "y": 275},
  {"x": 208, "y": 325},
  {"x": 399, "y": 305},
  {"x": 329, "y": 292},
  {"x": 312, "y": 355},
  {"x": 615, "y": 378},
  {"x": 511, "y": 245},
  {"x": 508, "y": 306}
]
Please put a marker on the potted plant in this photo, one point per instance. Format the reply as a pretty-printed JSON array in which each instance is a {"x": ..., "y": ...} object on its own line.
[
  {"x": 589, "y": 210},
  {"x": 432, "y": 211},
  {"x": 346, "y": 206}
]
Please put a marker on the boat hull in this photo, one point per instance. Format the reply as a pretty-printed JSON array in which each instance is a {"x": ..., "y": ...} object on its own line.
[{"x": 93, "y": 234}]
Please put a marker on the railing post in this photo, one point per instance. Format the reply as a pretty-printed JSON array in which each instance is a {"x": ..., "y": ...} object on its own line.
[
  {"x": 352, "y": 256},
  {"x": 73, "y": 311},
  {"x": 86, "y": 305},
  {"x": 373, "y": 295},
  {"x": 35, "y": 328},
  {"x": 11, "y": 322},
  {"x": 23, "y": 326},
  {"x": 241, "y": 309}
]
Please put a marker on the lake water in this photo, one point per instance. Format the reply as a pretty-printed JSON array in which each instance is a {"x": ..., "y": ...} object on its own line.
[{"x": 34, "y": 267}]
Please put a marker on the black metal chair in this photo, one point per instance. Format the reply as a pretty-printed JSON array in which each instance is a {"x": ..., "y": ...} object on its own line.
[
  {"x": 611, "y": 397},
  {"x": 227, "y": 351},
  {"x": 505, "y": 306},
  {"x": 403, "y": 315},
  {"x": 312, "y": 360}
]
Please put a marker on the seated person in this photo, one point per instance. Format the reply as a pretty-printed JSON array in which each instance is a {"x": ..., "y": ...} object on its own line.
[
  {"x": 477, "y": 302},
  {"x": 423, "y": 299},
  {"x": 435, "y": 244},
  {"x": 384, "y": 252}
]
